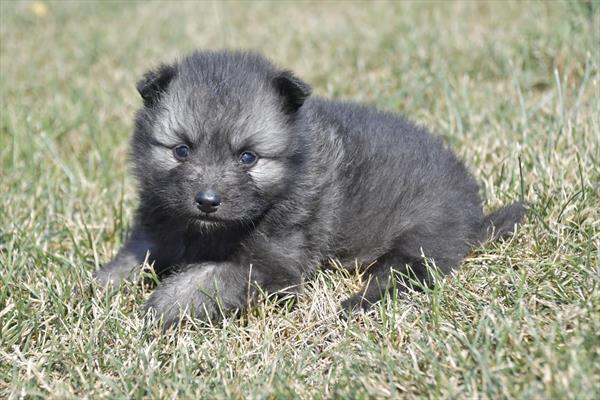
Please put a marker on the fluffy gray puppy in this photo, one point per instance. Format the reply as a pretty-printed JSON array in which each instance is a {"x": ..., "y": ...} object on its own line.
[{"x": 245, "y": 183}]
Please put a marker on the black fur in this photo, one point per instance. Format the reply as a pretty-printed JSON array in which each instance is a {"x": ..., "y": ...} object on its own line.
[
  {"x": 293, "y": 91},
  {"x": 154, "y": 83},
  {"x": 333, "y": 180}
]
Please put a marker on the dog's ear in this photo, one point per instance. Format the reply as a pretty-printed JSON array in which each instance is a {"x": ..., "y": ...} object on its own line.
[
  {"x": 154, "y": 83},
  {"x": 292, "y": 90}
]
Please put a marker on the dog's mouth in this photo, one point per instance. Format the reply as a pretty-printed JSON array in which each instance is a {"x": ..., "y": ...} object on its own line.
[
  {"x": 216, "y": 219},
  {"x": 204, "y": 217}
]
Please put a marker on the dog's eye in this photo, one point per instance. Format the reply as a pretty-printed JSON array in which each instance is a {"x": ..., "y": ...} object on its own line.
[
  {"x": 248, "y": 158},
  {"x": 181, "y": 152}
]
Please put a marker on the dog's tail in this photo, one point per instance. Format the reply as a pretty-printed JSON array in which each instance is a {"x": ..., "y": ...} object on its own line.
[{"x": 504, "y": 221}]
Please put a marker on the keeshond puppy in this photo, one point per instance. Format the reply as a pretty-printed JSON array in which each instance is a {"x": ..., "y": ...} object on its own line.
[{"x": 247, "y": 184}]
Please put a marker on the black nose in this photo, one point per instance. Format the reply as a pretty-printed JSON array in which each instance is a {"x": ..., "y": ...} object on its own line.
[{"x": 208, "y": 201}]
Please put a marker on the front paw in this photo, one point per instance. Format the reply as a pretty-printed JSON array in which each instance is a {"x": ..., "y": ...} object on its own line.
[
  {"x": 177, "y": 298},
  {"x": 105, "y": 279},
  {"x": 168, "y": 310},
  {"x": 115, "y": 272}
]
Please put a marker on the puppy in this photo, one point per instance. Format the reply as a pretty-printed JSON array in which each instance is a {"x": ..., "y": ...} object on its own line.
[{"x": 246, "y": 183}]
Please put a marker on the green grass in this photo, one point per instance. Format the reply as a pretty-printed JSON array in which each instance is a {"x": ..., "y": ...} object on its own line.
[{"x": 513, "y": 87}]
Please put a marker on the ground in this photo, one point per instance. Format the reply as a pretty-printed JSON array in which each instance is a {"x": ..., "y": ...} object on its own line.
[{"x": 513, "y": 87}]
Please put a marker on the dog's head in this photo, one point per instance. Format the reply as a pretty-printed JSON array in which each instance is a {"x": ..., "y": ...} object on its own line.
[{"x": 217, "y": 139}]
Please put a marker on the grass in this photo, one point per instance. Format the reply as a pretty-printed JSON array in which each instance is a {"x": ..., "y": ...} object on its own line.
[{"x": 513, "y": 87}]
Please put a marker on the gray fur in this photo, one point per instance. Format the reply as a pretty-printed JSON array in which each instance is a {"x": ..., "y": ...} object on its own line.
[{"x": 333, "y": 180}]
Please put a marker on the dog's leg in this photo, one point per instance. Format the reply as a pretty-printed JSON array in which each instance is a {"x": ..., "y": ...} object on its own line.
[
  {"x": 126, "y": 264},
  {"x": 406, "y": 272},
  {"x": 208, "y": 291}
]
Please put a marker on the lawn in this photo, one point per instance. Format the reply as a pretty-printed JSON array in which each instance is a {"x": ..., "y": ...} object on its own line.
[{"x": 513, "y": 87}]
